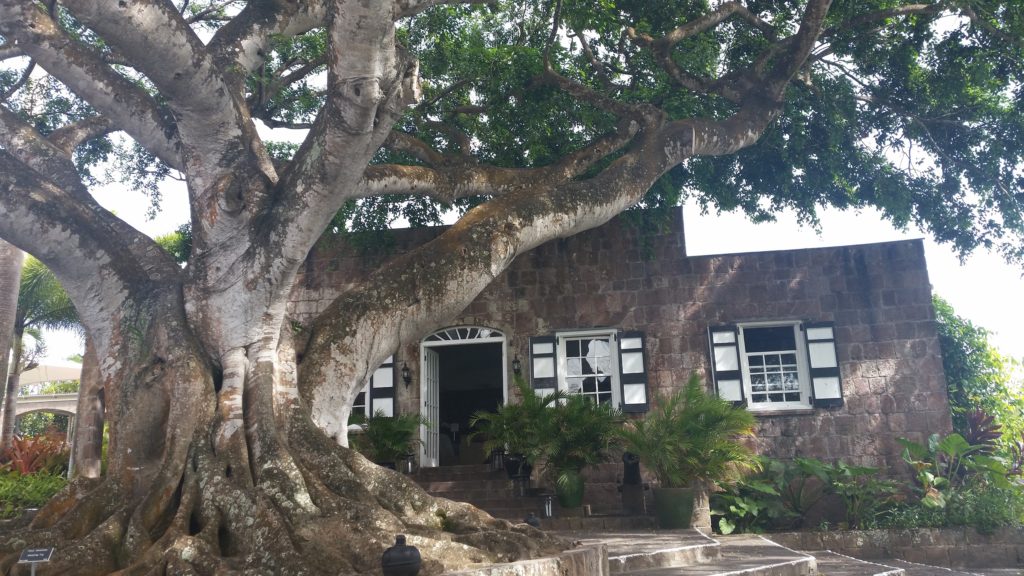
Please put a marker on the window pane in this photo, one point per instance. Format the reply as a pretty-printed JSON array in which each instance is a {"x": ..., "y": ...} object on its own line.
[
  {"x": 543, "y": 367},
  {"x": 632, "y": 363},
  {"x": 726, "y": 359},
  {"x": 572, "y": 348},
  {"x": 769, "y": 339},
  {"x": 544, "y": 348},
  {"x": 574, "y": 366},
  {"x": 630, "y": 344},
  {"x": 723, "y": 337},
  {"x": 823, "y": 333},
  {"x": 634, "y": 394},
  {"x": 823, "y": 355}
]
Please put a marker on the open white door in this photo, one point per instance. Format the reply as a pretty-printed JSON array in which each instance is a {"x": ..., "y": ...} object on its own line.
[{"x": 430, "y": 392}]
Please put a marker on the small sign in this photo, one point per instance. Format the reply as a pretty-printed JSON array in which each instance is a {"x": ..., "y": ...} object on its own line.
[{"x": 33, "y": 555}]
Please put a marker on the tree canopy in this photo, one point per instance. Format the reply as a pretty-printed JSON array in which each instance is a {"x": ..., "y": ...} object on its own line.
[{"x": 532, "y": 119}]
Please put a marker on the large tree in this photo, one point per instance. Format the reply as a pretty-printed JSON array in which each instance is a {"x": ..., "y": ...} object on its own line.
[{"x": 532, "y": 119}]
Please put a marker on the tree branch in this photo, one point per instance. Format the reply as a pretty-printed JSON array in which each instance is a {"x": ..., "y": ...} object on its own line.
[
  {"x": 9, "y": 50},
  {"x": 69, "y": 137},
  {"x": 405, "y": 8},
  {"x": 210, "y": 121},
  {"x": 409, "y": 144},
  {"x": 84, "y": 72},
  {"x": 21, "y": 81},
  {"x": 101, "y": 268}
]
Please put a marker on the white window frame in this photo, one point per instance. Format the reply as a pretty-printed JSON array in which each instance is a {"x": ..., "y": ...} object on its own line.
[
  {"x": 613, "y": 356},
  {"x": 802, "y": 361}
]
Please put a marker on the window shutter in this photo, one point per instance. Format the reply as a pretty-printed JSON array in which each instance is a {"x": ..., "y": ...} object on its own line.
[
  {"x": 723, "y": 343},
  {"x": 361, "y": 406},
  {"x": 633, "y": 371},
  {"x": 543, "y": 365},
  {"x": 382, "y": 388},
  {"x": 826, "y": 385}
]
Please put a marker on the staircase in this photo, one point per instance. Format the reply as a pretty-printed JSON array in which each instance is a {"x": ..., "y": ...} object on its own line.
[
  {"x": 500, "y": 497},
  {"x": 690, "y": 553},
  {"x": 634, "y": 548},
  {"x": 479, "y": 485}
]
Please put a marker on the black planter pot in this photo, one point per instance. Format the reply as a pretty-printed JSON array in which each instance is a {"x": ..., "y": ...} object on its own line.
[
  {"x": 400, "y": 559},
  {"x": 517, "y": 467}
]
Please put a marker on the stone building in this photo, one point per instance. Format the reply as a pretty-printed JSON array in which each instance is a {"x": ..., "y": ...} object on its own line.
[{"x": 833, "y": 349}]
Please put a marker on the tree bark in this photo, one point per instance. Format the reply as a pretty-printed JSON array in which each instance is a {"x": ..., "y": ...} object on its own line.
[
  {"x": 89, "y": 418},
  {"x": 11, "y": 260},
  {"x": 11, "y": 387}
]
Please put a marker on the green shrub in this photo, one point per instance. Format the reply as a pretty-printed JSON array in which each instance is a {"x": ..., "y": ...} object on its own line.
[
  {"x": 981, "y": 506},
  {"x": 18, "y": 491}
]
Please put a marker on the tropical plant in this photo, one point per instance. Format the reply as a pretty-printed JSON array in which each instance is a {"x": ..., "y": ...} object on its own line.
[
  {"x": 750, "y": 505},
  {"x": 520, "y": 428},
  {"x": 944, "y": 464},
  {"x": 692, "y": 435},
  {"x": 31, "y": 454},
  {"x": 580, "y": 433},
  {"x": 42, "y": 303},
  {"x": 389, "y": 439},
  {"x": 694, "y": 439},
  {"x": 864, "y": 494}
]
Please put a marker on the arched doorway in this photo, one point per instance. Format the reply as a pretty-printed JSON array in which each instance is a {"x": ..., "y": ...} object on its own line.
[{"x": 462, "y": 371}]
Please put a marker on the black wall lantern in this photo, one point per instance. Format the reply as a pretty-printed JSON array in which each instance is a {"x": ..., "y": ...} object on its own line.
[
  {"x": 406, "y": 375},
  {"x": 517, "y": 366}
]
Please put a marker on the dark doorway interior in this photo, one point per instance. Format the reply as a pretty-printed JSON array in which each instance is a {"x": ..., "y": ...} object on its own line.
[{"x": 470, "y": 381}]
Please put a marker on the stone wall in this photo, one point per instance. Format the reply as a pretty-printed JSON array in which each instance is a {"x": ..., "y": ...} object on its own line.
[
  {"x": 878, "y": 295},
  {"x": 952, "y": 547}
]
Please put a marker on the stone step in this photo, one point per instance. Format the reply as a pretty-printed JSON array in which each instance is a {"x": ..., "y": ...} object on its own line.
[
  {"x": 603, "y": 523},
  {"x": 631, "y": 550},
  {"x": 483, "y": 483},
  {"x": 744, "y": 555},
  {"x": 463, "y": 471},
  {"x": 916, "y": 569},
  {"x": 835, "y": 564}
]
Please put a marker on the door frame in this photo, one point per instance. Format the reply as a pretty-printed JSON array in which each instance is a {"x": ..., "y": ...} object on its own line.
[{"x": 462, "y": 335}]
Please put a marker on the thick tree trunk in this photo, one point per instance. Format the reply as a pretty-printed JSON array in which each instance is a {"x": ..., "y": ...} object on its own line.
[
  {"x": 11, "y": 387},
  {"x": 290, "y": 502},
  {"x": 88, "y": 432},
  {"x": 10, "y": 279}
]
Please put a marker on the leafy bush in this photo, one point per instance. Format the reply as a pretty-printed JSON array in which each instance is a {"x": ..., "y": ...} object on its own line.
[
  {"x": 521, "y": 428},
  {"x": 981, "y": 506},
  {"x": 945, "y": 464},
  {"x": 751, "y": 505},
  {"x": 389, "y": 439},
  {"x": 782, "y": 496},
  {"x": 865, "y": 495},
  {"x": 18, "y": 491},
  {"x": 46, "y": 453}
]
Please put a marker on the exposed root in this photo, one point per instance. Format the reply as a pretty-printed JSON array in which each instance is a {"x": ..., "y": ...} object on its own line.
[{"x": 336, "y": 518}]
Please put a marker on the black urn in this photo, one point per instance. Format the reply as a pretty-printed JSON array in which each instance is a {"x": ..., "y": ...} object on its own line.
[{"x": 400, "y": 559}]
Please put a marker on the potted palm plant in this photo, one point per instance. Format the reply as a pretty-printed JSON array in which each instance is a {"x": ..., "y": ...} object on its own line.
[
  {"x": 388, "y": 440},
  {"x": 519, "y": 431},
  {"x": 582, "y": 433},
  {"x": 691, "y": 442}
]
